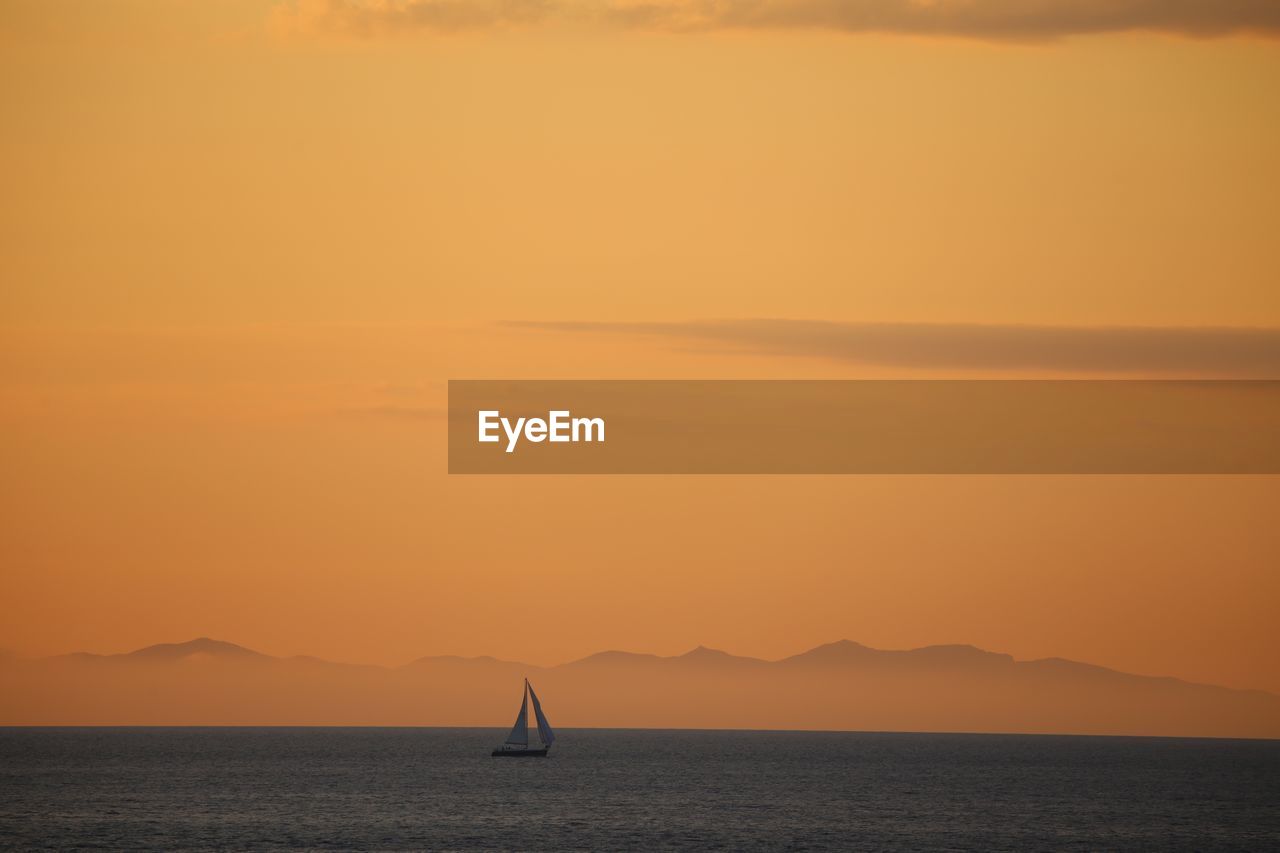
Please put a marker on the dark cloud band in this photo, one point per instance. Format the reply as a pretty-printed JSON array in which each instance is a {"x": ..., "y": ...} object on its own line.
[
  {"x": 1192, "y": 351},
  {"x": 1001, "y": 19},
  {"x": 986, "y": 19}
]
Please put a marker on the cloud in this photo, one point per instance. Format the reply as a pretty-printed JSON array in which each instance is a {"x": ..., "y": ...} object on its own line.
[
  {"x": 404, "y": 413},
  {"x": 990, "y": 19},
  {"x": 985, "y": 19},
  {"x": 1190, "y": 351},
  {"x": 379, "y": 17}
]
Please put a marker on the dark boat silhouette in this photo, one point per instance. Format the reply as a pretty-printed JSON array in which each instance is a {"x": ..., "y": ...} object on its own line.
[{"x": 517, "y": 743}]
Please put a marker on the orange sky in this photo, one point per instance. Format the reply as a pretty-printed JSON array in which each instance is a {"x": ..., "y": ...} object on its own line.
[{"x": 239, "y": 258}]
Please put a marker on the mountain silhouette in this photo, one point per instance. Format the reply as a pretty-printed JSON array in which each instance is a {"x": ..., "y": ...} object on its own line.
[
  {"x": 838, "y": 686},
  {"x": 201, "y": 647},
  {"x": 849, "y": 653}
]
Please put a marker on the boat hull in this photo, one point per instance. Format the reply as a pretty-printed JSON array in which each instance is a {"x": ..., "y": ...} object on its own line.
[{"x": 519, "y": 753}]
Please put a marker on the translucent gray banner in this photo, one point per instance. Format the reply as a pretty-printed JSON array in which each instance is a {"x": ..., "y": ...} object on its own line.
[{"x": 863, "y": 427}]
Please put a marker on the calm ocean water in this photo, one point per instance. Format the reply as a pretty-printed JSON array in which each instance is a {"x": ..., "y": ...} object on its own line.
[{"x": 631, "y": 790}]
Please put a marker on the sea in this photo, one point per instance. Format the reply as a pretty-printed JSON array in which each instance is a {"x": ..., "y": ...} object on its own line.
[{"x": 620, "y": 790}]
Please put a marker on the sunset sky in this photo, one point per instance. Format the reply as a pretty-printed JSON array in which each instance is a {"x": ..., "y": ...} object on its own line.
[{"x": 245, "y": 244}]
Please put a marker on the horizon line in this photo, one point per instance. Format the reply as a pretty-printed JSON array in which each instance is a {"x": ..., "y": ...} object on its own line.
[{"x": 725, "y": 729}]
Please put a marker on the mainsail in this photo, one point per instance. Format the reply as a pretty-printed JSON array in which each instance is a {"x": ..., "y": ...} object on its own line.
[
  {"x": 520, "y": 731},
  {"x": 545, "y": 734}
]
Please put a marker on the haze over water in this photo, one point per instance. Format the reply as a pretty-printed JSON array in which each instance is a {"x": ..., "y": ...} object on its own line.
[{"x": 631, "y": 790}]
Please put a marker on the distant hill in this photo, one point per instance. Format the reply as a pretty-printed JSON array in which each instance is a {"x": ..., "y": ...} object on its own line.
[
  {"x": 838, "y": 686},
  {"x": 197, "y": 649}
]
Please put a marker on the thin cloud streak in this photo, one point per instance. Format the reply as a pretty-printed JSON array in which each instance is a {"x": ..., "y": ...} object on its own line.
[
  {"x": 409, "y": 413},
  {"x": 367, "y": 18},
  {"x": 1188, "y": 351},
  {"x": 986, "y": 19},
  {"x": 1017, "y": 20}
]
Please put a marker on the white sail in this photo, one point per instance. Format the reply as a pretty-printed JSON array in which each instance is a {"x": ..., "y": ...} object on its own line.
[
  {"x": 545, "y": 734},
  {"x": 520, "y": 731}
]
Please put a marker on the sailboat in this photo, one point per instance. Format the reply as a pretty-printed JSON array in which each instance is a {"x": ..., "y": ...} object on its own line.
[{"x": 517, "y": 743}]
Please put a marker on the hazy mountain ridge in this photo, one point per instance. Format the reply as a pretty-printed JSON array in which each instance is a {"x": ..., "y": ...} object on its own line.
[
  {"x": 840, "y": 685},
  {"x": 199, "y": 647}
]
